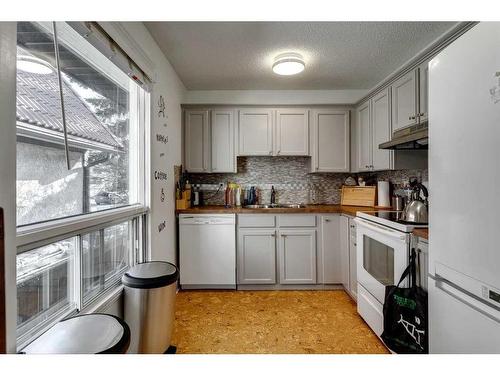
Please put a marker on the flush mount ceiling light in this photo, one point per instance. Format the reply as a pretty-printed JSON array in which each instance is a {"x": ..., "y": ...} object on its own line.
[
  {"x": 288, "y": 64},
  {"x": 33, "y": 65}
]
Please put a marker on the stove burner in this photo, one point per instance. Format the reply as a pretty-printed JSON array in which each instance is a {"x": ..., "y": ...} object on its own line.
[{"x": 395, "y": 216}]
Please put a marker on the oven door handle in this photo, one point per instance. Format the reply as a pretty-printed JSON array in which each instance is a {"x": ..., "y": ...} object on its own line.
[{"x": 382, "y": 230}]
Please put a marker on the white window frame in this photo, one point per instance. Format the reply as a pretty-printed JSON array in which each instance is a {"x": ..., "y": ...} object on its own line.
[{"x": 32, "y": 236}]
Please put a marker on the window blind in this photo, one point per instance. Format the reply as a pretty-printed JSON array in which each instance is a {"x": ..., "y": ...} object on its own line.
[{"x": 101, "y": 40}]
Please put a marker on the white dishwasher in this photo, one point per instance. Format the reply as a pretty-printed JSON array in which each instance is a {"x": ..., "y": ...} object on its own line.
[{"x": 207, "y": 251}]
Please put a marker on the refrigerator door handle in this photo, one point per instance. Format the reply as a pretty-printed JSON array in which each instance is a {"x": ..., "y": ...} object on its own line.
[{"x": 467, "y": 298}]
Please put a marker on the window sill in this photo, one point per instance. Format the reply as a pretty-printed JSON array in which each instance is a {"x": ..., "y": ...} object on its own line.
[
  {"x": 104, "y": 301},
  {"x": 37, "y": 233}
]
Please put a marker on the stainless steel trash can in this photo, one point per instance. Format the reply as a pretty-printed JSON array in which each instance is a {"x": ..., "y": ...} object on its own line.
[
  {"x": 83, "y": 334},
  {"x": 150, "y": 305}
]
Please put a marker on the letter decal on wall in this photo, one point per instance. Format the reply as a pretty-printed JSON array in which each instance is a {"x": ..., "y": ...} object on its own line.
[
  {"x": 162, "y": 226},
  {"x": 159, "y": 175},
  {"x": 161, "y": 107}
]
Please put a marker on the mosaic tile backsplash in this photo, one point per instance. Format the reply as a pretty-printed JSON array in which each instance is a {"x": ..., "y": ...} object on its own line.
[{"x": 292, "y": 180}]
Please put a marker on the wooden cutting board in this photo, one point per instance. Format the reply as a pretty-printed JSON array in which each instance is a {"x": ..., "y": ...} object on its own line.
[{"x": 358, "y": 196}]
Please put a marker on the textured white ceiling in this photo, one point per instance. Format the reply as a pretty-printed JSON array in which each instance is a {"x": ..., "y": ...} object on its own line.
[{"x": 338, "y": 55}]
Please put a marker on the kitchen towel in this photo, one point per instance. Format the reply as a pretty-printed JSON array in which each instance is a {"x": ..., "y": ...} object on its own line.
[{"x": 383, "y": 194}]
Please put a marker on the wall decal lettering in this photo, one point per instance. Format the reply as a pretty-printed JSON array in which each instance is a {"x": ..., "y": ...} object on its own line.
[
  {"x": 162, "y": 195},
  {"x": 162, "y": 138},
  {"x": 161, "y": 107},
  {"x": 162, "y": 226},
  {"x": 160, "y": 175}
]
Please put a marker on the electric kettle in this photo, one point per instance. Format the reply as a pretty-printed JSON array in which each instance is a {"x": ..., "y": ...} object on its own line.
[{"x": 416, "y": 210}]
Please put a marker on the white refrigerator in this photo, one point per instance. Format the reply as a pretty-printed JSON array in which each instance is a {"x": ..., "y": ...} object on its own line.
[{"x": 464, "y": 177}]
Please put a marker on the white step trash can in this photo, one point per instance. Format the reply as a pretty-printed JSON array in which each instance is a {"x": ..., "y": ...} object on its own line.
[
  {"x": 83, "y": 334},
  {"x": 150, "y": 290}
]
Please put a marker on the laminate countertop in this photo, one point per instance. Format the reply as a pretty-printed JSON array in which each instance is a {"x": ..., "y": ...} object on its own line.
[{"x": 308, "y": 209}]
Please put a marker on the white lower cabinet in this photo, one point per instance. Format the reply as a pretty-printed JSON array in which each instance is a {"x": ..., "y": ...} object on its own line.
[
  {"x": 256, "y": 256},
  {"x": 297, "y": 256},
  {"x": 331, "y": 248},
  {"x": 348, "y": 255},
  {"x": 344, "y": 251},
  {"x": 353, "y": 279},
  {"x": 295, "y": 249}
]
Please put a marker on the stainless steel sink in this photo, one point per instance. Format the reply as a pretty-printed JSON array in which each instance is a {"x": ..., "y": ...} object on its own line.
[
  {"x": 261, "y": 206},
  {"x": 271, "y": 206}
]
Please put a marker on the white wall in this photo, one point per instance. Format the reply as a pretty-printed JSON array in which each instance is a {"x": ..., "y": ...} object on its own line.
[
  {"x": 273, "y": 97},
  {"x": 138, "y": 43},
  {"x": 8, "y": 169}
]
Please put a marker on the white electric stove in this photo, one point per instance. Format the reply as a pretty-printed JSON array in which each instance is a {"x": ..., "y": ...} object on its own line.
[{"x": 383, "y": 252}]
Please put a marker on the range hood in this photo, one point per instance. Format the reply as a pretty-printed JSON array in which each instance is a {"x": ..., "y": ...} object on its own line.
[{"x": 412, "y": 138}]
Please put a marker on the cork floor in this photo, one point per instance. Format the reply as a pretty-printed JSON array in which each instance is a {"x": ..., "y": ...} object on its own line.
[{"x": 279, "y": 322}]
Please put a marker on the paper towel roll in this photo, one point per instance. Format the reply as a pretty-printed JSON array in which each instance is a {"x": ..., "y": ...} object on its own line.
[{"x": 383, "y": 194}]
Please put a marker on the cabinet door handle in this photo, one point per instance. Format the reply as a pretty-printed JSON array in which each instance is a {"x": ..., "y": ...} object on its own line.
[
  {"x": 278, "y": 152},
  {"x": 421, "y": 114},
  {"x": 273, "y": 235},
  {"x": 283, "y": 235},
  {"x": 270, "y": 152},
  {"x": 412, "y": 117},
  {"x": 327, "y": 220}
]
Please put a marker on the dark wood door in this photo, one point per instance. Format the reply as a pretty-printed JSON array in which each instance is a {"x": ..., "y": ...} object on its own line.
[{"x": 2, "y": 286}]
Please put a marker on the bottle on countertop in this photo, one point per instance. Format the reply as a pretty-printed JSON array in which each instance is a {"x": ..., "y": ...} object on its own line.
[
  {"x": 227, "y": 194},
  {"x": 196, "y": 195},
  {"x": 238, "y": 196},
  {"x": 251, "y": 195},
  {"x": 187, "y": 190},
  {"x": 273, "y": 195},
  {"x": 200, "y": 197}
]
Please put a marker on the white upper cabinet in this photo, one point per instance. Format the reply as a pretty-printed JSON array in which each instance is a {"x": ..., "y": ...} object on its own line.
[
  {"x": 292, "y": 132},
  {"x": 330, "y": 141},
  {"x": 404, "y": 101},
  {"x": 363, "y": 116},
  {"x": 381, "y": 130},
  {"x": 373, "y": 123},
  {"x": 196, "y": 141},
  {"x": 209, "y": 141},
  {"x": 423, "y": 91},
  {"x": 255, "y": 128},
  {"x": 223, "y": 141},
  {"x": 410, "y": 98}
]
